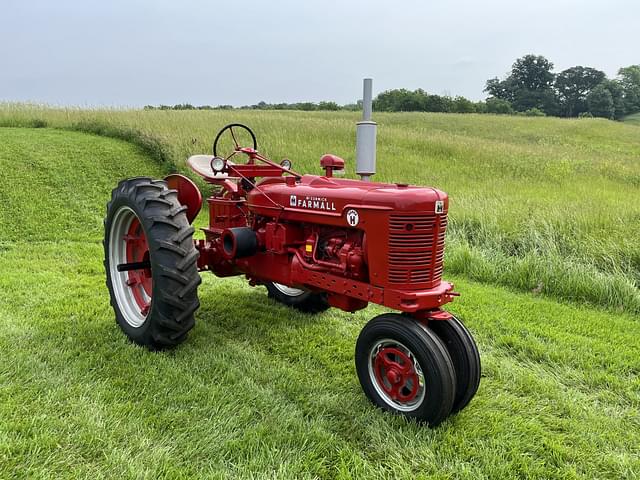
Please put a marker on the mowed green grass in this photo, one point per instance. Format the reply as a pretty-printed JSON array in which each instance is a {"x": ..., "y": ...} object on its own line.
[
  {"x": 259, "y": 391},
  {"x": 544, "y": 204}
]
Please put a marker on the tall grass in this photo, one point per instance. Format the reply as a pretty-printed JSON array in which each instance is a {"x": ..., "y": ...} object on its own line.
[
  {"x": 633, "y": 119},
  {"x": 538, "y": 204}
]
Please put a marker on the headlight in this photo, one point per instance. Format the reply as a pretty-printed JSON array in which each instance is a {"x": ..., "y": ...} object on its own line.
[
  {"x": 217, "y": 164},
  {"x": 286, "y": 163}
]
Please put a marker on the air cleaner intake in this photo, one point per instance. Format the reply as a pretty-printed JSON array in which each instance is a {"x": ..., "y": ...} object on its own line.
[{"x": 239, "y": 242}]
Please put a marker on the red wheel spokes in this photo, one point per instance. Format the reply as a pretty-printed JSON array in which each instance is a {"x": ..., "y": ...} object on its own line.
[
  {"x": 396, "y": 374},
  {"x": 140, "y": 281}
]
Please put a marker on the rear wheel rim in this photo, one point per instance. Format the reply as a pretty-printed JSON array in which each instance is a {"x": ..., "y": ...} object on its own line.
[
  {"x": 288, "y": 291},
  {"x": 396, "y": 375},
  {"x": 133, "y": 289}
]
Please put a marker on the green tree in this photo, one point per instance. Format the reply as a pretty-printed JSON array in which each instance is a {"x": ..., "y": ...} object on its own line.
[
  {"x": 397, "y": 100},
  {"x": 629, "y": 78},
  {"x": 502, "y": 89},
  {"x": 533, "y": 112},
  {"x": 532, "y": 72},
  {"x": 328, "y": 106},
  {"x": 544, "y": 100},
  {"x": 573, "y": 85},
  {"x": 498, "y": 105},
  {"x": 306, "y": 106},
  {"x": 600, "y": 102},
  {"x": 529, "y": 85},
  {"x": 462, "y": 105},
  {"x": 617, "y": 95},
  {"x": 403, "y": 100},
  {"x": 438, "y": 103},
  {"x": 480, "y": 107}
]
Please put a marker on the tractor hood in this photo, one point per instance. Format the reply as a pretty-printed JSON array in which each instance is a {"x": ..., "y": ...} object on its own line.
[{"x": 332, "y": 197}]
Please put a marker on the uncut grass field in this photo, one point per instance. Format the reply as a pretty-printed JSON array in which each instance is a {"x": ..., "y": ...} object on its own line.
[
  {"x": 543, "y": 246},
  {"x": 633, "y": 119}
]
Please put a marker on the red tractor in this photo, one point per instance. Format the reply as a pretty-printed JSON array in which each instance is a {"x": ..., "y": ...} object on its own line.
[{"x": 314, "y": 242}]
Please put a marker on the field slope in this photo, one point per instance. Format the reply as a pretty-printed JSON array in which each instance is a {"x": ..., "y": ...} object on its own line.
[
  {"x": 259, "y": 391},
  {"x": 633, "y": 119},
  {"x": 544, "y": 204}
]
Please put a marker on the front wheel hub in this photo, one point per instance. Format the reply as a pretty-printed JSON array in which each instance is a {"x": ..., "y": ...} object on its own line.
[
  {"x": 396, "y": 375},
  {"x": 137, "y": 251}
]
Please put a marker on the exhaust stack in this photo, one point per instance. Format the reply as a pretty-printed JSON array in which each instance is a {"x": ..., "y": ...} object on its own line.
[{"x": 366, "y": 136}]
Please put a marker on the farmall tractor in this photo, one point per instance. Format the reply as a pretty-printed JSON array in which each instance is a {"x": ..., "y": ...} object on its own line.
[{"x": 314, "y": 242}]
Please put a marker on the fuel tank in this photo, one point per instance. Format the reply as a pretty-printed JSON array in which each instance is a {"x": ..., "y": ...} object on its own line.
[{"x": 404, "y": 225}]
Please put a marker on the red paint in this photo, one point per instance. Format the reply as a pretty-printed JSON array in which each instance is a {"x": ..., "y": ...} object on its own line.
[
  {"x": 188, "y": 194},
  {"x": 358, "y": 241},
  {"x": 395, "y": 374},
  {"x": 330, "y": 163},
  {"x": 439, "y": 315},
  {"x": 139, "y": 281}
]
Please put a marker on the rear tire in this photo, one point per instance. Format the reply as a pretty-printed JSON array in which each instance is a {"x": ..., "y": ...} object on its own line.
[
  {"x": 464, "y": 355},
  {"x": 153, "y": 306},
  {"x": 405, "y": 369},
  {"x": 303, "y": 300}
]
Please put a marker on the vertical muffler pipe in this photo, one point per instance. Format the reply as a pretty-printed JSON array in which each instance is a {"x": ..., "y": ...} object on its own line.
[{"x": 366, "y": 136}]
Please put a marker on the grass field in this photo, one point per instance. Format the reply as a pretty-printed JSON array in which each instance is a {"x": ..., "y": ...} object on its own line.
[
  {"x": 633, "y": 119},
  {"x": 259, "y": 391},
  {"x": 546, "y": 204}
]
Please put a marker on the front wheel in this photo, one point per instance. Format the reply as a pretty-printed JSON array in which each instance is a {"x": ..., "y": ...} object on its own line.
[
  {"x": 405, "y": 369},
  {"x": 150, "y": 262},
  {"x": 464, "y": 355},
  {"x": 303, "y": 300}
]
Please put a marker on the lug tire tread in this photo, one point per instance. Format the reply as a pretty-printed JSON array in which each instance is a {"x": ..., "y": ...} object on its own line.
[{"x": 173, "y": 261}]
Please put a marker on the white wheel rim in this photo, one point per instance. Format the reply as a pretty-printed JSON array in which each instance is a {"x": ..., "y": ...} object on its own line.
[
  {"x": 288, "y": 291},
  {"x": 123, "y": 294},
  {"x": 396, "y": 405}
]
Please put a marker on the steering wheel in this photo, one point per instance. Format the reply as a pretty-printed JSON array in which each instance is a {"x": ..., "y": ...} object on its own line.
[{"x": 235, "y": 138}]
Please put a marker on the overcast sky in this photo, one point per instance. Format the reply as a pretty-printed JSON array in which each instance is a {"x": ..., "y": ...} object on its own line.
[{"x": 137, "y": 52}]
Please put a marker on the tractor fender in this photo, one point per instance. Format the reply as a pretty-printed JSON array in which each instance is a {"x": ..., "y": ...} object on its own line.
[{"x": 188, "y": 194}]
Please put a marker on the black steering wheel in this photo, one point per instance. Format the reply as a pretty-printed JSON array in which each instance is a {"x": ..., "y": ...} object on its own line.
[{"x": 235, "y": 138}]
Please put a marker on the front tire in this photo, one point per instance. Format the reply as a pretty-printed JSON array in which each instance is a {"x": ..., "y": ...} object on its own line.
[
  {"x": 154, "y": 304},
  {"x": 405, "y": 369},
  {"x": 303, "y": 300},
  {"x": 464, "y": 355}
]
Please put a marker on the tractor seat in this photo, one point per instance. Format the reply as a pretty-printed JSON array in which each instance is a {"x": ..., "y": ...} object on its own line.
[{"x": 201, "y": 164}]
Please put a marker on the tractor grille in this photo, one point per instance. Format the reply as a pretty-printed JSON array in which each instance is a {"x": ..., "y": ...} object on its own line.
[{"x": 416, "y": 248}]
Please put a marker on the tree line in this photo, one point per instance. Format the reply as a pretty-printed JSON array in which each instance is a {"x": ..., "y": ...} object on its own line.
[
  {"x": 306, "y": 106},
  {"x": 576, "y": 91},
  {"x": 530, "y": 88}
]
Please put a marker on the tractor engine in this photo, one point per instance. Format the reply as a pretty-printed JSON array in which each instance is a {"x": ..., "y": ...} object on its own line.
[
  {"x": 321, "y": 248},
  {"x": 318, "y": 232}
]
